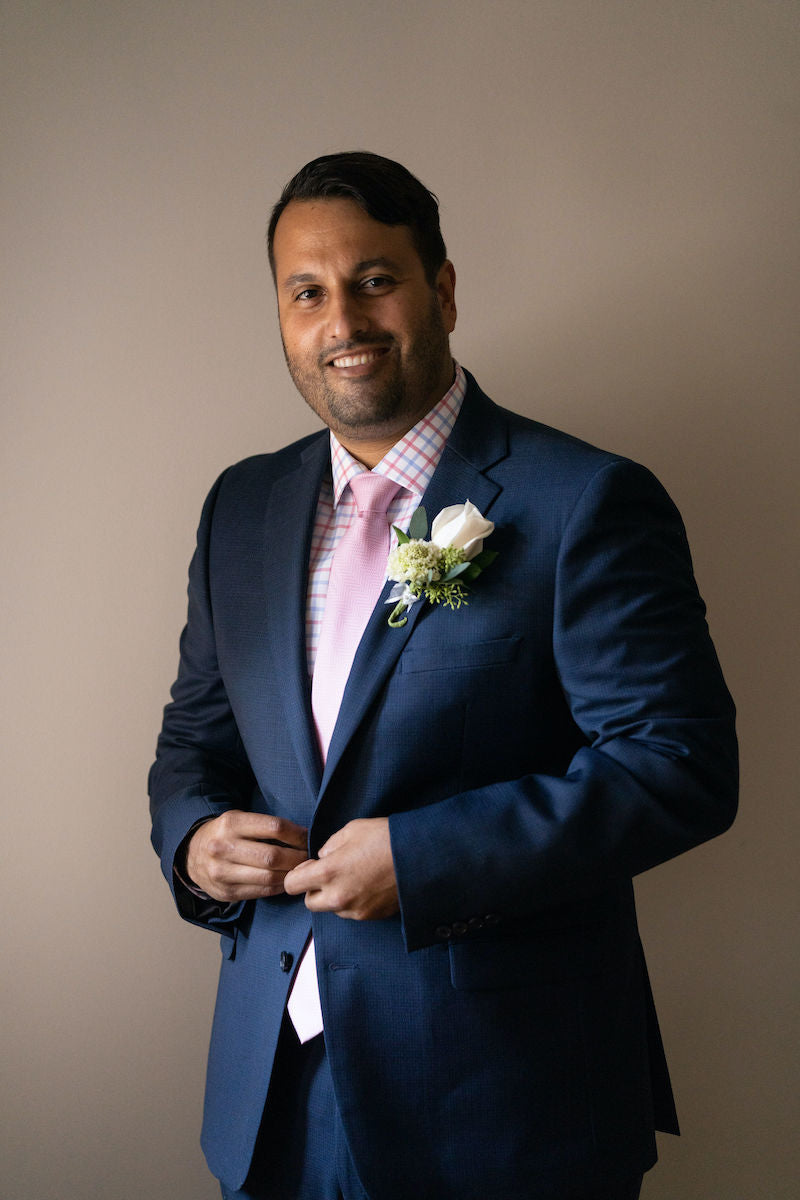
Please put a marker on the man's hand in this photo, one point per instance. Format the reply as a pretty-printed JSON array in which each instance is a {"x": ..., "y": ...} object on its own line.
[
  {"x": 244, "y": 855},
  {"x": 354, "y": 874}
]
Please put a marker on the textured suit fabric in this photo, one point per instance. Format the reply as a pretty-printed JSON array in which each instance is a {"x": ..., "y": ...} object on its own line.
[
  {"x": 301, "y": 1152},
  {"x": 533, "y": 751}
]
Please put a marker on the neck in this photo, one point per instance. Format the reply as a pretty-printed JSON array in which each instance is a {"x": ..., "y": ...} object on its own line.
[
  {"x": 370, "y": 453},
  {"x": 370, "y": 446}
]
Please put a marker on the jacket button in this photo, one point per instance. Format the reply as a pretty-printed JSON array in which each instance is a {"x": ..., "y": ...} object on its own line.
[
  {"x": 286, "y": 961},
  {"x": 444, "y": 932}
]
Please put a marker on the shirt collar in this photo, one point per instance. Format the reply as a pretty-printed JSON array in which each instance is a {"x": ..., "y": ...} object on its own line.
[{"x": 412, "y": 461}]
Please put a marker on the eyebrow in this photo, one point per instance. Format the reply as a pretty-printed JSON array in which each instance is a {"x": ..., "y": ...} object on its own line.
[{"x": 366, "y": 264}]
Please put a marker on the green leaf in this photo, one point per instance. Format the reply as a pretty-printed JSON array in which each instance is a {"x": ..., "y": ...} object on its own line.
[
  {"x": 402, "y": 538},
  {"x": 458, "y": 569},
  {"x": 484, "y": 559},
  {"x": 418, "y": 525}
]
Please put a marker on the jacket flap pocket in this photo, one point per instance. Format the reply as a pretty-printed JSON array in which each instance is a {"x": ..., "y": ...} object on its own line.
[
  {"x": 464, "y": 655},
  {"x": 553, "y": 957}
]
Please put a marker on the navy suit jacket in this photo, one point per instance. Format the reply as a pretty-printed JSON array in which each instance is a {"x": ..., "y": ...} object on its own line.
[{"x": 534, "y": 751}]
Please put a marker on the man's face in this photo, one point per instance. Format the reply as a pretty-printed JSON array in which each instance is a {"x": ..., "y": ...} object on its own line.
[{"x": 364, "y": 333}]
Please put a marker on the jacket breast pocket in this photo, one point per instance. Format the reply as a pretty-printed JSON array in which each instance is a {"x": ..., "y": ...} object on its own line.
[{"x": 459, "y": 656}]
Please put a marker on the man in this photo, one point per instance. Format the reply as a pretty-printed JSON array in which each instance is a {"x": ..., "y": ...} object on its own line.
[{"x": 453, "y": 802}]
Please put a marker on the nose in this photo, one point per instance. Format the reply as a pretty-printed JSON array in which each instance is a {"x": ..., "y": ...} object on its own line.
[{"x": 346, "y": 316}]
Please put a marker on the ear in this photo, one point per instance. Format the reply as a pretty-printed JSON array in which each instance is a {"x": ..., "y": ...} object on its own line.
[{"x": 446, "y": 291}]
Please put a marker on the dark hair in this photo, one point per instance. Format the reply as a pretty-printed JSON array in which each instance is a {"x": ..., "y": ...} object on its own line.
[{"x": 386, "y": 191}]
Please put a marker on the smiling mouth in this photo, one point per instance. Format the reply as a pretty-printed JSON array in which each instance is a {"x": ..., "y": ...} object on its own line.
[{"x": 362, "y": 359}]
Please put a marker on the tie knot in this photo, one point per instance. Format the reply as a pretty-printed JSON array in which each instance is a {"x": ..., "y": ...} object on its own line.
[{"x": 373, "y": 493}]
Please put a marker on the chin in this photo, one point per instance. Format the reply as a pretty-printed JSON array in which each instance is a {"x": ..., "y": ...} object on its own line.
[{"x": 360, "y": 412}]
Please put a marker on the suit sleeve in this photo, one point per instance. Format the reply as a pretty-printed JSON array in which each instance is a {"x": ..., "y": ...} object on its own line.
[
  {"x": 201, "y": 769},
  {"x": 657, "y": 773}
]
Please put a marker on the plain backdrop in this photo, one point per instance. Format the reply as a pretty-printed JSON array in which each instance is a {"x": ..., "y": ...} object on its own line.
[{"x": 619, "y": 193}]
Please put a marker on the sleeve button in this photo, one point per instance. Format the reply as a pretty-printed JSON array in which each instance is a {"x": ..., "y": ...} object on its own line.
[
  {"x": 444, "y": 932},
  {"x": 459, "y": 928}
]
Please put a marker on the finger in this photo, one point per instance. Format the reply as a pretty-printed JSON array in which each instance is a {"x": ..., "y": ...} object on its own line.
[
  {"x": 356, "y": 835},
  {"x": 327, "y": 888},
  {"x": 335, "y": 842},
  {"x": 353, "y": 905},
  {"x": 323, "y": 901},
  {"x": 230, "y": 883},
  {"x": 226, "y": 839},
  {"x": 265, "y": 856},
  {"x": 307, "y": 876},
  {"x": 215, "y": 851},
  {"x": 327, "y": 894},
  {"x": 264, "y": 827}
]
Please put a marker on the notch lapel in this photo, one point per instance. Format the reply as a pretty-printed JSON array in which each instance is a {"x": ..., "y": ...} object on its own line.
[{"x": 289, "y": 526}]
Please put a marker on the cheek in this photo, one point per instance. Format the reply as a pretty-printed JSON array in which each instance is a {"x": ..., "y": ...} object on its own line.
[
  {"x": 298, "y": 340},
  {"x": 397, "y": 320}
]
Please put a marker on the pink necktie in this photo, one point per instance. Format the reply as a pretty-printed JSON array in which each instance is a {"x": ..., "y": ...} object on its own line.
[{"x": 358, "y": 573}]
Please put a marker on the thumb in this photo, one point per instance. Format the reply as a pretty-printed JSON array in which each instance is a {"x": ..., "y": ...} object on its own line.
[{"x": 333, "y": 843}]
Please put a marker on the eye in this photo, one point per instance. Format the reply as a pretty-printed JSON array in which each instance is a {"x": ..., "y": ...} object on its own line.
[
  {"x": 307, "y": 294},
  {"x": 376, "y": 283}
]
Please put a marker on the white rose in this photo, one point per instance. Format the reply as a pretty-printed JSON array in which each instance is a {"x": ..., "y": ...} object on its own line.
[{"x": 462, "y": 526}]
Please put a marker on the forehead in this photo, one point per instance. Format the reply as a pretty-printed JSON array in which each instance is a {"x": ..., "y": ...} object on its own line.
[{"x": 317, "y": 235}]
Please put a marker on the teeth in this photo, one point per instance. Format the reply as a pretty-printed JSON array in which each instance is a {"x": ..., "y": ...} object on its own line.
[{"x": 356, "y": 360}]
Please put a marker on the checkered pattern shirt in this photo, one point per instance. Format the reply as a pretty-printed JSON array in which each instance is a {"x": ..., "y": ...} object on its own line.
[{"x": 410, "y": 463}]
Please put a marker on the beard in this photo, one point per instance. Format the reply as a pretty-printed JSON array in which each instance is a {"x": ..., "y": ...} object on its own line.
[{"x": 407, "y": 388}]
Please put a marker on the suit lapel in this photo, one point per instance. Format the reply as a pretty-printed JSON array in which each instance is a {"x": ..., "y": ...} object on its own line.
[
  {"x": 290, "y": 516},
  {"x": 479, "y": 439}
]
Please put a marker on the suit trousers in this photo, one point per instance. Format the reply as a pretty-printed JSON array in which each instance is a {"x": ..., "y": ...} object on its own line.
[{"x": 302, "y": 1153}]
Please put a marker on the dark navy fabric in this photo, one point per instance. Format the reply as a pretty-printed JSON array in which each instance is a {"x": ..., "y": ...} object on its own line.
[
  {"x": 301, "y": 1152},
  {"x": 533, "y": 751}
]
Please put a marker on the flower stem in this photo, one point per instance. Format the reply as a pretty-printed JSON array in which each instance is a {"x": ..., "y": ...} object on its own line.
[{"x": 397, "y": 613}]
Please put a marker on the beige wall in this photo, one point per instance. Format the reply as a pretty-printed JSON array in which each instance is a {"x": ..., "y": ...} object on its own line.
[{"x": 619, "y": 187}]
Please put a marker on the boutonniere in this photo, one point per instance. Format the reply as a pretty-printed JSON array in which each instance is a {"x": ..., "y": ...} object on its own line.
[{"x": 438, "y": 570}]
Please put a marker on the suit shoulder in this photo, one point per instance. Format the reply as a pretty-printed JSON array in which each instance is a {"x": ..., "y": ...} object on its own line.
[
  {"x": 480, "y": 413},
  {"x": 260, "y": 471},
  {"x": 557, "y": 444},
  {"x": 273, "y": 463},
  {"x": 544, "y": 443},
  {"x": 537, "y": 458},
  {"x": 246, "y": 485}
]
